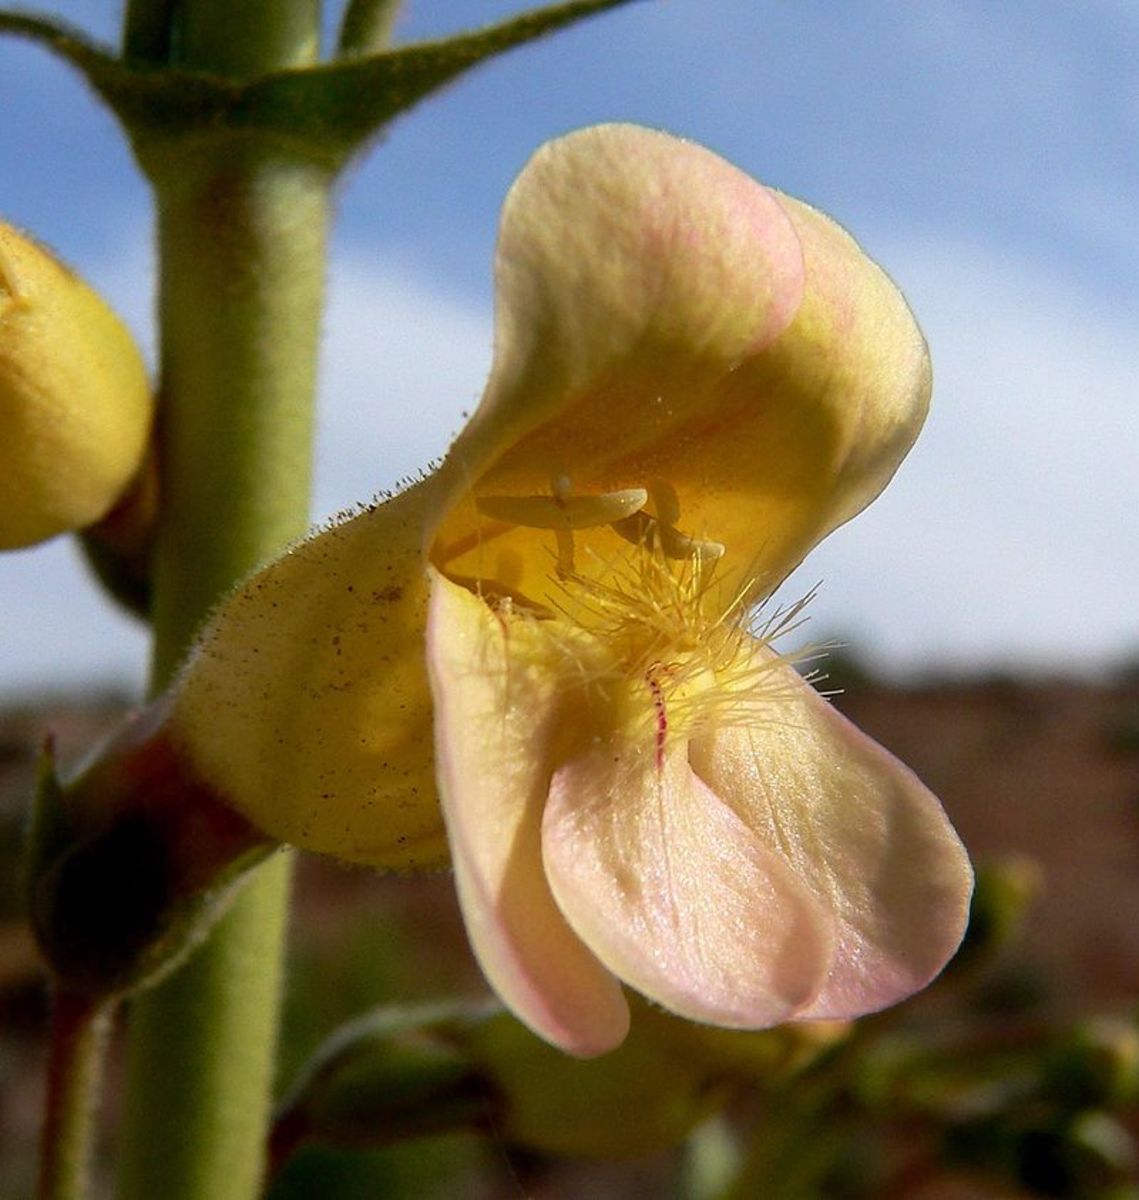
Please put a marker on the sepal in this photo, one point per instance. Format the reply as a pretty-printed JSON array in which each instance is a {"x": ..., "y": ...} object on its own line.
[
  {"x": 130, "y": 863},
  {"x": 118, "y": 548}
]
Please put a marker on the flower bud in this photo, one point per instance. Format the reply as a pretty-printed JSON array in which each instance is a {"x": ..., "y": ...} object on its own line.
[{"x": 75, "y": 402}]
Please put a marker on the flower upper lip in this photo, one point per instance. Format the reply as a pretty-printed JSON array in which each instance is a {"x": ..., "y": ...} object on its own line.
[{"x": 667, "y": 320}]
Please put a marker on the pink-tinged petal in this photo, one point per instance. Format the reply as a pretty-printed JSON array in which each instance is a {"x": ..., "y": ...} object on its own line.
[
  {"x": 859, "y": 828},
  {"x": 676, "y": 895},
  {"x": 635, "y": 273},
  {"x": 859, "y": 363},
  {"x": 625, "y": 253},
  {"x": 497, "y": 710},
  {"x": 661, "y": 316}
]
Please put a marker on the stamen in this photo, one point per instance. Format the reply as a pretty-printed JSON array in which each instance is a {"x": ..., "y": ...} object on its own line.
[
  {"x": 646, "y": 531},
  {"x": 659, "y": 619},
  {"x": 662, "y": 647},
  {"x": 660, "y": 532},
  {"x": 565, "y": 553},
  {"x": 666, "y": 503},
  {"x": 562, "y": 511},
  {"x": 499, "y": 594}
]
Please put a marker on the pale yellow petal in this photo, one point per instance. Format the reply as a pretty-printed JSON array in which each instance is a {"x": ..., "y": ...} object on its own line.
[
  {"x": 499, "y": 706},
  {"x": 663, "y": 317},
  {"x": 676, "y": 895},
  {"x": 860, "y": 831},
  {"x": 306, "y": 701}
]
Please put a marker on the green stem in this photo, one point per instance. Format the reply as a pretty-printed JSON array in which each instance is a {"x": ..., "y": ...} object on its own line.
[
  {"x": 241, "y": 239},
  {"x": 78, "y": 1035},
  {"x": 242, "y": 253},
  {"x": 200, "y": 1061},
  {"x": 242, "y": 228},
  {"x": 243, "y": 40},
  {"x": 367, "y": 26}
]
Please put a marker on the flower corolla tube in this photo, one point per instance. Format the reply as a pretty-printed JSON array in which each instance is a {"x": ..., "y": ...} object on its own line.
[{"x": 553, "y": 641}]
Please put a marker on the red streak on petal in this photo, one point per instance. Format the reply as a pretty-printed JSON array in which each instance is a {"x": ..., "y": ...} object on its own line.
[{"x": 662, "y": 717}]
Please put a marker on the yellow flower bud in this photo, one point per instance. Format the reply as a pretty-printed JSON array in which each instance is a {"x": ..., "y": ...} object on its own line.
[{"x": 75, "y": 402}]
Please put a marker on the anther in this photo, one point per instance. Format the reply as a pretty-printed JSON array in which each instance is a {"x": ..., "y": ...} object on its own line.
[
  {"x": 659, "y": 532},
  {"x": 562, "y": 510}
]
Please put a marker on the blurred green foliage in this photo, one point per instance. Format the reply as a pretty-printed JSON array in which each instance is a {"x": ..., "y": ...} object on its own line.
[{"x": 974, "y": 1080}]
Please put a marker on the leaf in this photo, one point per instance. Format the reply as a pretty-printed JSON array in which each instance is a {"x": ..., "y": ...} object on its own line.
[
  {"x": 390, "y": 1076},
  {"x": 99, "y": 66},
  {"x": 324, "y": 113},
  {"x": 347, "y": 102}
]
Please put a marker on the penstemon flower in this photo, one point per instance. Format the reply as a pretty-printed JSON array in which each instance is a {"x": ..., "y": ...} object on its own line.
[{"x": 555, "y": 635}]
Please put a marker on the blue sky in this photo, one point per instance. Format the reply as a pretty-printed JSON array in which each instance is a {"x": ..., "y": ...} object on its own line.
[{"x": 985, "y": 154}]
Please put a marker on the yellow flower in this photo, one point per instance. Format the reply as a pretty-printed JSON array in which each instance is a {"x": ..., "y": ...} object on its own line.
[
  {"x": 75, "y": 403},
  {"x": 695, "y": 380}
]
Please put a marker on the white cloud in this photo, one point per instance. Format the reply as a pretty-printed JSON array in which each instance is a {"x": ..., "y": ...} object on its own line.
[
  {"x": 402, "y": 362},
  {"x": 58, "y": 630},
  {"x": 1009, "y": 535}
]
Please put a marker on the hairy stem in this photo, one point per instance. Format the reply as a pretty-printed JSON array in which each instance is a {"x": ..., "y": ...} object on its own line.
[
  {"x": 78, "y": 1035},
  {"x": 242, "y": 226},
  {"x": 241, "y": 237}
]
